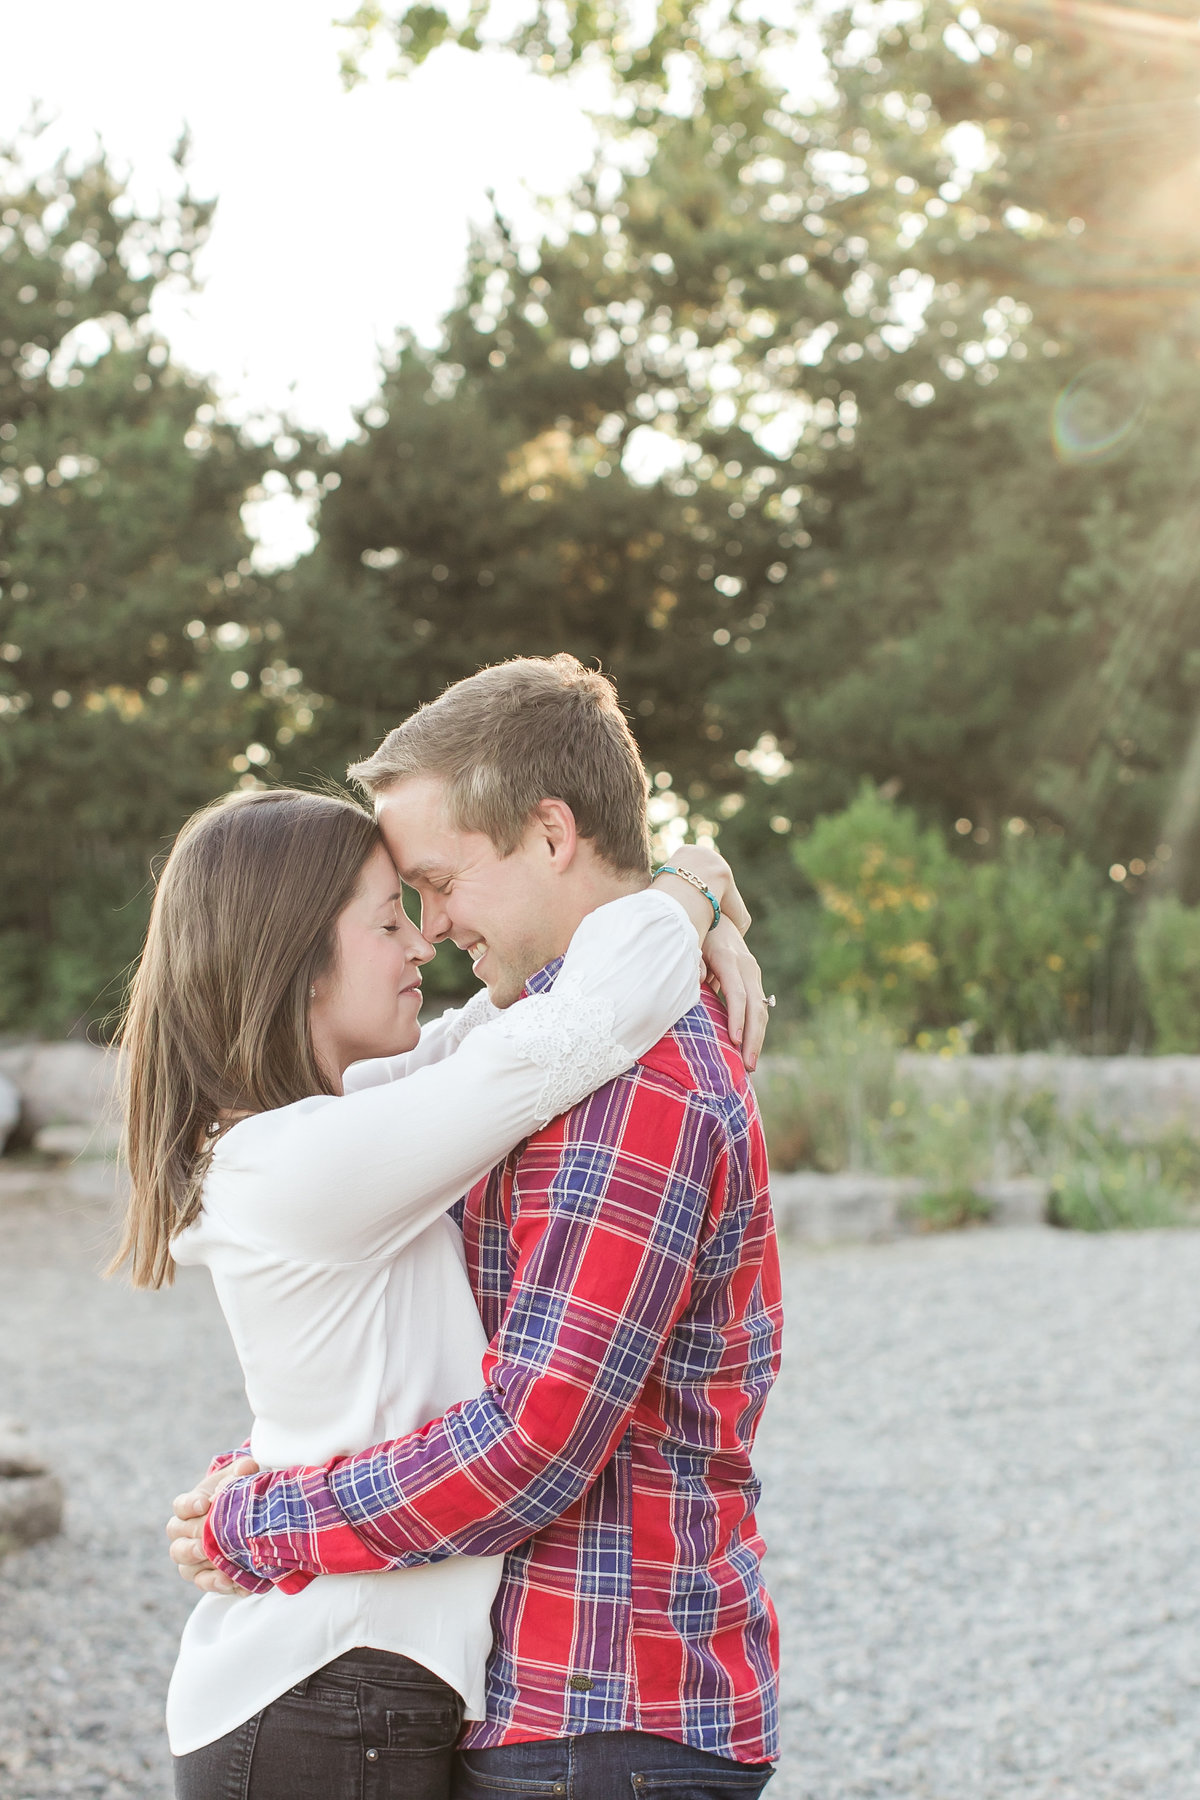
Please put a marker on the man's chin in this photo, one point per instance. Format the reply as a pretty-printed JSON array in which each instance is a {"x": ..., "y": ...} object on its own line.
[{"x": 504, "y": 990}]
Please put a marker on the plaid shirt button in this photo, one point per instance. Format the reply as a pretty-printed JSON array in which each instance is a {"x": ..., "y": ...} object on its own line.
[{"x": 582, "y": 1684}]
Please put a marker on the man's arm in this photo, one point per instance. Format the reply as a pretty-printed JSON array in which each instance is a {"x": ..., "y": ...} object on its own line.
[{"x": 610, "y": 1205}]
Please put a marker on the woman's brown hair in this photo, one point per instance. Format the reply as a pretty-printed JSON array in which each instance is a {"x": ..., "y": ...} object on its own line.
[{"x": 243, "y": 923}]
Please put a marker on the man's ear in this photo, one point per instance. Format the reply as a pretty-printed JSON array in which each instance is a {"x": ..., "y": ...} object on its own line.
[{"x": 554, "y": 824}]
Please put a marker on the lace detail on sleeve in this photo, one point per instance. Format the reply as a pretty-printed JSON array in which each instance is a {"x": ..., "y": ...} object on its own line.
[
  {"x": 569, "y": 1034},
  {"x": 478, "y": 1011}
]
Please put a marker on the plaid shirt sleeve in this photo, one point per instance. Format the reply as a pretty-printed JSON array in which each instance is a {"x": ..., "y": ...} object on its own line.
[
  {"x": 224, "y": 1457},
  {"x": 609, "y": 1207}
]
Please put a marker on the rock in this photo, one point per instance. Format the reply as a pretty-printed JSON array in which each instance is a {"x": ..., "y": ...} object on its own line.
[
  {"x": 31, "y": 1508},
  {"x": 841, "y": 1209},
  {"x": 10, "y": 1108},
  {"x": 63, "y": 1084},
  {"x": 1138, "y": 1097},
  {"x": 1016, "y": 1203},
  {"x": 90, "y": 1143},
  {"x": 22, "y": 1181},
  {"x": 17, "y": 1454},
  {"x": 867, "y": 1209},
  {"x": 31, "y": 1498}
]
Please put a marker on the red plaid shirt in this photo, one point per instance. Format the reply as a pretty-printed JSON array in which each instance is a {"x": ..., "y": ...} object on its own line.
[{"x": 624, "y": 1261}]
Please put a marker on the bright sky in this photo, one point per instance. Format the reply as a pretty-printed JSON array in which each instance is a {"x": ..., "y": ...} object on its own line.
[{"x": 341, "y": 215}]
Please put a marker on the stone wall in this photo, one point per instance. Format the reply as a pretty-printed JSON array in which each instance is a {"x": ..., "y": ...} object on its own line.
[
  {"x": 59, "y": 1098},
  {"x": 69, "y": 1091},
  {"x": 1138, "y": 1096}
]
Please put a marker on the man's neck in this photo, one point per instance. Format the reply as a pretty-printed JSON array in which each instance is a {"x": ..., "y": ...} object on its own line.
[{"x": 596, "y": 888}]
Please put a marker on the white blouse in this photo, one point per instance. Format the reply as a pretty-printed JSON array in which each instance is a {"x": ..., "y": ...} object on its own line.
[{"x": 345, "y": 1289}]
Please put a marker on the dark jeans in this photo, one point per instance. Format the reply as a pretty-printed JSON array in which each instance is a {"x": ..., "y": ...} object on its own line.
[
  {"x": 603, "y": 1765},
  {"x": 369, "y": 1726}
]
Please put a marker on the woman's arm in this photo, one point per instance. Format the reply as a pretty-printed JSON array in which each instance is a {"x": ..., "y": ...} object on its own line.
[
  {"x": 730, "y": 967},
  {"x": 438, "y": 1040},
  {"x": 357, "y": 1176}
]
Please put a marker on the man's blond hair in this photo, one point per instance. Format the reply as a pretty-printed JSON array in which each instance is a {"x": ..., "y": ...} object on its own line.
[{"x": 518, "y": 733}]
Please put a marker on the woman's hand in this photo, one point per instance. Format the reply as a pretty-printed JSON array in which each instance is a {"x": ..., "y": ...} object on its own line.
[
  {"x": 713, "y": 870},
  {"x": 731, "y": 967},
  {"x": 736, "y": 974}
]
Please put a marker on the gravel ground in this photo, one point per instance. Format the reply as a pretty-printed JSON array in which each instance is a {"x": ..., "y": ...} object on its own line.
[
  {"x": 981, "y": 1469},
  {"x": 127, "y": 1393}
]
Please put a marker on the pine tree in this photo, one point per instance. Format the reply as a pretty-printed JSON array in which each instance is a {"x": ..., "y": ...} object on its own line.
[{"x": 132, "y": 626}]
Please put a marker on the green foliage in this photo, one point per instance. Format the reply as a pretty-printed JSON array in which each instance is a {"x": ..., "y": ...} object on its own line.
[
  {"x": 951, "y": 1139},
  {"x": 1024, "y": 940},
  {"x": 127, "y": 598},
  {"x": 848, "y": 460},
  {"x": 1167, "y": 946},
  {"x": 838, "y": 1098},
  {"x": 1121, "y": 1189},
  {"x": 1010, "y": 947},
  {"x": 881, "y": 879},
  {"x": 923, "y": 512},
  {"x": 821, "y": 1099},
  {"x": 642, "y": 47},
  {"x": 948, "y": 1209}
]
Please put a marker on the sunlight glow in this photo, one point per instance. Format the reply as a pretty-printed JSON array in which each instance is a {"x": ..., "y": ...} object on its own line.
[{"x": 341, "y": 216}]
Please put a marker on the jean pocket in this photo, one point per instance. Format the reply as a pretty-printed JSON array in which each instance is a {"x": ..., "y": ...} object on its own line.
[
  {"x": 483, "y": 1774},
  {"x": 434, "y": 1726},
  {"x": 733, "y": 1783},
  {"x": 316, "y": 1693}
]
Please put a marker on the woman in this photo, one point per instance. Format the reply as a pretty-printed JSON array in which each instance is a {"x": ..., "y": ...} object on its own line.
[{"x": 278, "y": 954}]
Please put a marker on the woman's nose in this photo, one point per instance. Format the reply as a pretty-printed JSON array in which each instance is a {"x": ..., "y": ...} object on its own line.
[
  {"x": 417, "y": 947},
  {"x": 422, "y": 950}
]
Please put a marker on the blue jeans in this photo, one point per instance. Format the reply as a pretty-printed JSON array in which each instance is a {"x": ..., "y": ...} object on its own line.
[
  {"x": 368, "y": 1726},
  {"x": 603, "y": 1765}
]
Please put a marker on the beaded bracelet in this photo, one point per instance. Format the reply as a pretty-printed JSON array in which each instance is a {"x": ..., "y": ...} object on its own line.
[{"x": 686, "y": 875}]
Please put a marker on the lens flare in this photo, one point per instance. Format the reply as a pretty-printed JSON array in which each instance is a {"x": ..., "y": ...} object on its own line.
[{"x": 1098, "y": 412}]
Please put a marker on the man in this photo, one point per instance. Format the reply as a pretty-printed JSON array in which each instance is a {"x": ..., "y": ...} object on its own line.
[{"x": 624, "y": 1263}]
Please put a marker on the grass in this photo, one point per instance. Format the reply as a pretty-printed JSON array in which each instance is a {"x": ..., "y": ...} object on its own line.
[
  {"x": 836, "y": 1099},
  {"x": 948, "y": 1209}
]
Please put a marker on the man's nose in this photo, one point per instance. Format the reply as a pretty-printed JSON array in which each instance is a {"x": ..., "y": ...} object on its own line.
[{"x": 435, "y": 924}]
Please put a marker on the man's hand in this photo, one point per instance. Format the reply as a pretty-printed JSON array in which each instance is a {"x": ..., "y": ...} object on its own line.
[{"x": 185, "y": 1527}]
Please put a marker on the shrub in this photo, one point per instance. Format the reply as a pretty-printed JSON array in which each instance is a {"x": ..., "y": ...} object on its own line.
[
  {"x": 822, "y": 1100},
  {"x": 1107, "y": 1191},
  {"x": 1167, "y": 949},
  {"x": 1021, "y": 940},
  {"x": 948, "y": 1209},
  {"x": 1010, "y": 947},
  {"x": 880, "y": 878},
  {"x": 840, "y": 1100}
]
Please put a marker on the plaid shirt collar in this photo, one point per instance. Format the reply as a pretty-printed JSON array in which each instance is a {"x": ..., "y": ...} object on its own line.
[{"x": 544, "y": 980}]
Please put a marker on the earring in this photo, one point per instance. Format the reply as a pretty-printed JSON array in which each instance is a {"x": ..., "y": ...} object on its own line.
[{"x": 312, "y": 993}]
